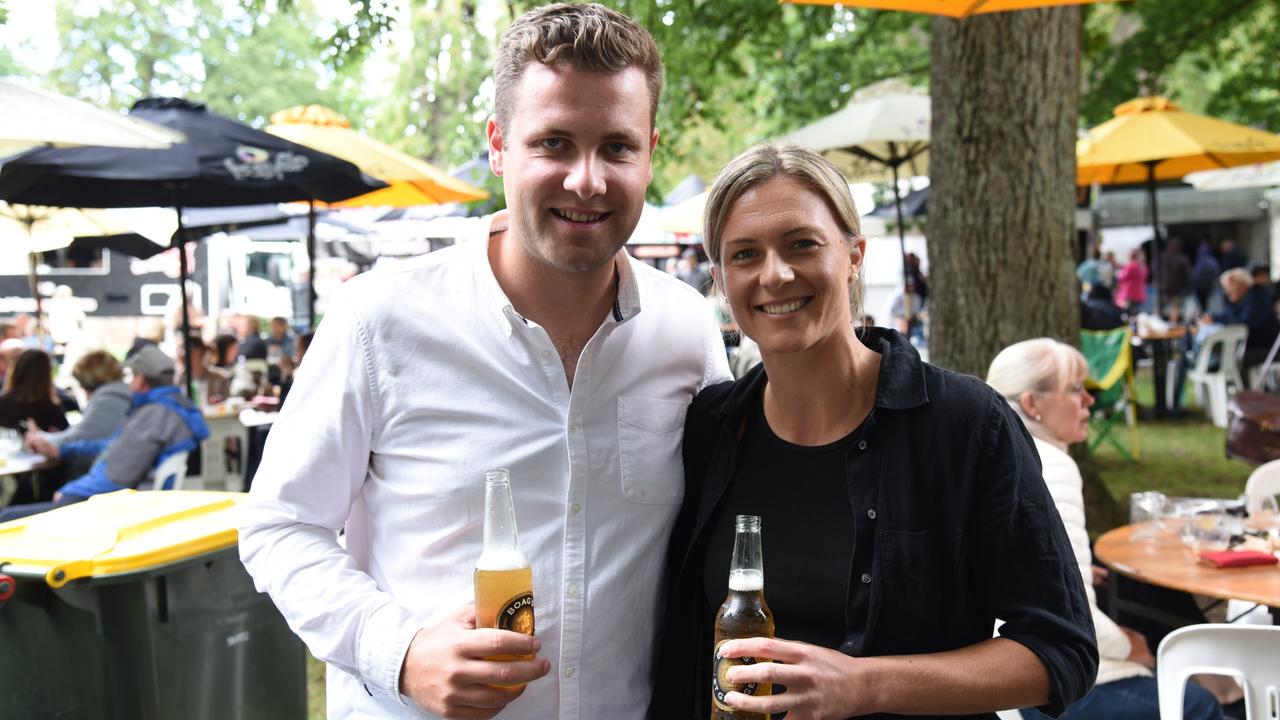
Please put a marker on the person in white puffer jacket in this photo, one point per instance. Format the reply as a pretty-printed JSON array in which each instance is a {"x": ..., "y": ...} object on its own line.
[{"x": 1043, "y": 380}]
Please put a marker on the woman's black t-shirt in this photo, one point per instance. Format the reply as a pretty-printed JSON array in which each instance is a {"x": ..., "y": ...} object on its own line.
[{"x": 802, "y": 497}]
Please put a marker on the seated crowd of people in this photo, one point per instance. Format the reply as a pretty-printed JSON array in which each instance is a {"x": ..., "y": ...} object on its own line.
[
  {"x": 137, "y": 412},
  {"x": 1240, "y": 294}
]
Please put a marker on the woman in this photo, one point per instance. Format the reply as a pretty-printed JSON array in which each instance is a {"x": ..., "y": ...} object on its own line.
[
  {"x": 902, "y": 505},
  {"x": 29, "y": 393},
  {"x": 1043, "y": 381},
  {"x": 1131, "y": 284},
  {"x": 109, "y": 400}
]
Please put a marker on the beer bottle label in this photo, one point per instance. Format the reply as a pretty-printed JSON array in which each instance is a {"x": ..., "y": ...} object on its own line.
[
  {"x": 720, "y": 685},
  {"x": 517, "y": 614}
]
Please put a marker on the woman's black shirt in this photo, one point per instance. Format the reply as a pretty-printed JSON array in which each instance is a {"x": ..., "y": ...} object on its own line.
[{"x": 809, "y": 600}]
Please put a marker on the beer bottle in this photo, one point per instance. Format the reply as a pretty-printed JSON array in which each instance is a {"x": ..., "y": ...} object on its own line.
[
  {"x": 744, "y": 614},
  {"x": 504, "y": 580}
]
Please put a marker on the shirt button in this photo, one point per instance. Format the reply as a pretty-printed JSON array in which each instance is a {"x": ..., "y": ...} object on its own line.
[
  {"x": 862, "y": 444},
  {"x": 866, "y": 578},
  {"x": 573, "y": 590},
  {"x": 871, "y": 513},
  {"x": 576, "y": 508},
  {"x": 568, "y": 672},
  {"x": 546, "y": 354},
  {"x": 573, "y": 427}
]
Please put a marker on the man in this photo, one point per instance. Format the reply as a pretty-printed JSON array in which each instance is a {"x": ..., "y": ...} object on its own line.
[
  {"x": 249, "y": 333},
  {"x": 162, "y": 422},
  {"x": 537, "y": 346},
  {"x": 279, "y": 344},
  {"x": 691, "y": 271}
]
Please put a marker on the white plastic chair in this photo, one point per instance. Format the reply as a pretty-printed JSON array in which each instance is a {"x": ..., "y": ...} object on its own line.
[
  {"x": 1214, "y": 389},
  {"x": 1250, "y": 654},
  {"x": 1263, "y": 482},
  {"x": 172, "y": 473}
]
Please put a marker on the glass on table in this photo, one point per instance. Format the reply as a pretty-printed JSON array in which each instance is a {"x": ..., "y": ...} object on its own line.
[
  {"x": 1147, "y": 510},
  {"x": 10, "y": 442}
]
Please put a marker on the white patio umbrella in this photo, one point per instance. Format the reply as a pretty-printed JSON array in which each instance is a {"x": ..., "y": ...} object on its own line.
[
  {"x": 40, "y": 229},
  {"x": 882, "y": 132},
  {"x": 33, "y": 117},
  {"x": 1247, "y": 176}
]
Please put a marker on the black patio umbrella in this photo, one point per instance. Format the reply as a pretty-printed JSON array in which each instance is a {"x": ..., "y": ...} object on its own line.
[{"x": 223, "y": 162}]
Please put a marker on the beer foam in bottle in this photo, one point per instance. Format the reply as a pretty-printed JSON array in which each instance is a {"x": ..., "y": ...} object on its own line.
[{"x": 746, "y": 580}]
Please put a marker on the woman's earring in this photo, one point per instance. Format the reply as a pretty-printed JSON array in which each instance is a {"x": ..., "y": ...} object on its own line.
[{"x": 1037, "y": 418}]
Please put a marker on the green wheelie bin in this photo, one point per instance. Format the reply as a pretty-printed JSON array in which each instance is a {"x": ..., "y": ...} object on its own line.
[{"x": 135, "y": 606}]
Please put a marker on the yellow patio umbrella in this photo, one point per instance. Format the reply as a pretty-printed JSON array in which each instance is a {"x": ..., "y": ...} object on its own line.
[
  {"x": 412, "y": 181},
  {"x": 1152, "y": 139},
  {"x": 951, "y": 8}
]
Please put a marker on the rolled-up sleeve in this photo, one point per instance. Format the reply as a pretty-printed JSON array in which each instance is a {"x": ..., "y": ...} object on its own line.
[
  {"x": 1031, "y": 579},
  {"x": 313, "y": 468}
]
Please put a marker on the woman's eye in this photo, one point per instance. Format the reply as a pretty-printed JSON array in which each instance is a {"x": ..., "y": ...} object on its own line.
[
  {"x": 743, "y": 255},
  {"x": 806, "y": 243}
]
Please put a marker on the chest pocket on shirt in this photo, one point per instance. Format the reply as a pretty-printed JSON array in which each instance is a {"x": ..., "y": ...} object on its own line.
[
  {"x": 649, "y": 433},
  {"x": 919, "y": 588}
]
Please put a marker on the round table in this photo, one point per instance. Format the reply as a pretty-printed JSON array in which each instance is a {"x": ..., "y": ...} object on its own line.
[{"x": 1159, "y": 557}]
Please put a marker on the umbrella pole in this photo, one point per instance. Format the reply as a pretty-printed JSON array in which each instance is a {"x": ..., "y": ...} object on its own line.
[
  {"x": 311, "y": 264},
  {"x": 186, "y": 310},
  {"x": 35, "y": 295},
  {"x": 1155, "y": 231},
  {"x": 902, "y": 246}
]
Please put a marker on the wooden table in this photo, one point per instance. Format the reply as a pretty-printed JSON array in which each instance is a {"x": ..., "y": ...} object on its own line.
[
  {"x": 1165, "y": 345},
  {"x": 17, "y": 464},
  {"x": 1164, "y": 560}
]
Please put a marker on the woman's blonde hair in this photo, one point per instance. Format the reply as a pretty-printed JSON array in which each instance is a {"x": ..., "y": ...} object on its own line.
[
  {"x": 1042, "y": 365},
  {"x": 95, "y": 369},
  {"x": 770, "y": 160}
]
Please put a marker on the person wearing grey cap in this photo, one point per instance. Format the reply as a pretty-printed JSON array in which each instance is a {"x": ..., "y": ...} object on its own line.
[{"x": 161, "y": 422}]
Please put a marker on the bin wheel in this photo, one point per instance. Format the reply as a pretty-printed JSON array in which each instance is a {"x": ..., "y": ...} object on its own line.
[{"x": 7, "y": 588}]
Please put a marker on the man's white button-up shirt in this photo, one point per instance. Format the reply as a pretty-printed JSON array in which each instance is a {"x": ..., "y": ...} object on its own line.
[{"x": 420, "y": 379}]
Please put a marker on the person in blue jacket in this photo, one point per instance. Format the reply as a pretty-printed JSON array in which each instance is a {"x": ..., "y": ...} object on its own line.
[{"x": 161, "y": 422}]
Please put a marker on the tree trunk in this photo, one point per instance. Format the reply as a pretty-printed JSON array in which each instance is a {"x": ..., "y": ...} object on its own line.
[
  {"x": 1005, "y": 90},
  {"x": 1001, "y": 224}
]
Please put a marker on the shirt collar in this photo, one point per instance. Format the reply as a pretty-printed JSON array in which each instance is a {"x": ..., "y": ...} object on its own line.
[
  {"x": 900, "y": 386},
  {"x": 626, "y": 301}
]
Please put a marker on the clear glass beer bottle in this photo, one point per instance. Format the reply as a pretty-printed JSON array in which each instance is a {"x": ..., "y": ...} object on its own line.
[
  {"x": 744, "y": 614},
  {"x": 503, "y": 578}
]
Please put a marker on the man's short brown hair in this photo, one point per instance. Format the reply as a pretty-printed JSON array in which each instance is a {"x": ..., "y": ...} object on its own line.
[{"x": 587, "y": 36}]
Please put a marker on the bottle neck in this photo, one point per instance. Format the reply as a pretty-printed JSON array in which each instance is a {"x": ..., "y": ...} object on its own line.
[
  {"x": 746, "y": 571},
  {"x": 499, "y": 516}
]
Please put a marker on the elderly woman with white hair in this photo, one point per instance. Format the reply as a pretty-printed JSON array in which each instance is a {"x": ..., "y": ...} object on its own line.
[{"x": 1043, "y": 381}]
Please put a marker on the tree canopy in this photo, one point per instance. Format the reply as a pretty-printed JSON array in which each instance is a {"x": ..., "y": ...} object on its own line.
[{"x": 737, "y": 72}]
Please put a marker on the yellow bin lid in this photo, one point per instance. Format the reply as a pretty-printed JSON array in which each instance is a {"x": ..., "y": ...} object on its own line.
[{"x": 120, "y": 532}]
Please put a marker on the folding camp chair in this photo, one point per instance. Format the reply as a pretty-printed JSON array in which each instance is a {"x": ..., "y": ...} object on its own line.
[{"x": 1111, "y": 383}]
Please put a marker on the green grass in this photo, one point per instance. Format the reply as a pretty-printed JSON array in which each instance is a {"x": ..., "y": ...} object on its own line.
[{"x": 1181, "y": 457}]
